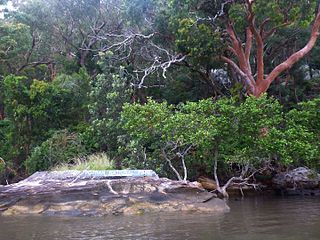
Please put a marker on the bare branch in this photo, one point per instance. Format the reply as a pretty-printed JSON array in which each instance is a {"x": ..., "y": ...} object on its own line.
[
  {"x": 158, "y": 65},
  {"x": 34, "y": 64},
  {"x": 219, "y": 14},
  {"x": 170, "y": 164},
  {"x": 182, "y": 156}
]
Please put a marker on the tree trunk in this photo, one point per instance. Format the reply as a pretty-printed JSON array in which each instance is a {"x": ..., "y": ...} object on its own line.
[
  {"x": 219, "y": 189},
  {"x": 258, "y": 85}
]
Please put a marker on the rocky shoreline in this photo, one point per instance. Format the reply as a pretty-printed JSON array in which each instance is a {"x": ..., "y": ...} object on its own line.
[
  {"x": 90, "y": 193},
  {"x": 57, "y": 194},
  {"x": 296, "y": 182},
  {"x": 300, "y": 181}
]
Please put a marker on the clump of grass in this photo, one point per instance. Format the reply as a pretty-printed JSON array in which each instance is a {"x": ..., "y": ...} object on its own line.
[{"x": 97, "y": 161}]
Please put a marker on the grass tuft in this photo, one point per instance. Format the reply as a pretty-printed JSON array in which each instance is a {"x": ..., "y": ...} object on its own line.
[{"x": 97, "y": 161}]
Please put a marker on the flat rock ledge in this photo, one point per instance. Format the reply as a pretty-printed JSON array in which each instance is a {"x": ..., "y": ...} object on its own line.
[{"x": 54, "y": 193}]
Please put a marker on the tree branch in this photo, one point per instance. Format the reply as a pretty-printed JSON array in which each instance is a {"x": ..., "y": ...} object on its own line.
[
  {"x": 171, "y": 166},
  {"x": 248, "y": 45},
  {"x": 259, "y": 42},
  {"x": 263, "y": 86},
  {"x": 247, "y": 80},
  {"x": 182, "y": 155}
]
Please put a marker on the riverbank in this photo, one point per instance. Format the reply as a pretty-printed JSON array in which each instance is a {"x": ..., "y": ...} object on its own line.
[
  {"x": 296, "y": 182},
  {"x": 100, "y": 193}
]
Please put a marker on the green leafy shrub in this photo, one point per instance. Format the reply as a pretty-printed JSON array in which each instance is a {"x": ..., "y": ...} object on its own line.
[
  {"x": 109, "y": 92},
  {"x": 250, "y": 133},
  {"x": 227, "y": 128},
  {"x": 6, "y": 136},
  {"x": 38, "y": 108},
  {"x": 62, "y": 147},
  {"x": 303, "y": 133}
]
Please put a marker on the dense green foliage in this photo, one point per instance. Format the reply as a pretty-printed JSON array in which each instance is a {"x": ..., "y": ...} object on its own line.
[
  {"x": 37, "y": 108},
  {"x": 62, "y": 147},
  {"x": 255, "y": 131},
  {"x": 143, "y": 81},
  {"x": 108, "y": 93}
]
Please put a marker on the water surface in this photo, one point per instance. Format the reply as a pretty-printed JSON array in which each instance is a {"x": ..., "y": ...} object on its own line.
[{"x": 254, "y": 218}]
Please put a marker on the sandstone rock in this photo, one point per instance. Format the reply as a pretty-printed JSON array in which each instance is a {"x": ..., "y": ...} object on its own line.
[
  {"x": 297, "y": 179},
  {"x": 50, "y": 194},
  {"x": 207, "y": 183}
]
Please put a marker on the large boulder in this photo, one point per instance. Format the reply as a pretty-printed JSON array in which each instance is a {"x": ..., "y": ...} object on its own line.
[
  {"x": 59, "y": 194},
  {"x": 297, "y": 181}
]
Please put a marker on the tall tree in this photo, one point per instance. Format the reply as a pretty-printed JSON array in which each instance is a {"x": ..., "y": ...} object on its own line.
[{"x": 262, "y": 20}]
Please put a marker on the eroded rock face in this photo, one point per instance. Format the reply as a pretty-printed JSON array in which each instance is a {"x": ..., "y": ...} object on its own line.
[
  {"x": 298, "y": 181},
  {"x": 298, "y": 178},
  {"x": 45, "y": 194}
]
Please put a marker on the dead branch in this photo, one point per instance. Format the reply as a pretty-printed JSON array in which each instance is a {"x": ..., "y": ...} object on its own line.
[
  {"x": 171, "y": 151},
  {"x": 169, "y": 160}
]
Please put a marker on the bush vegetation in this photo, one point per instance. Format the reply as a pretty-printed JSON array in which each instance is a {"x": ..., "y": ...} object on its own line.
[
  {"x": 254, "y": 132},
  {"x": 62, "y": 147},
  {"x": 159, "y": 84}
]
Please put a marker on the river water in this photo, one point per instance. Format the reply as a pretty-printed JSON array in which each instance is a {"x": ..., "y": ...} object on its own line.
[{"x": 252, "y": 218}]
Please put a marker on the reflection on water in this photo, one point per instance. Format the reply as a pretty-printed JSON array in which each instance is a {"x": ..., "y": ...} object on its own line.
[{"x": 259, "y": 218}]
